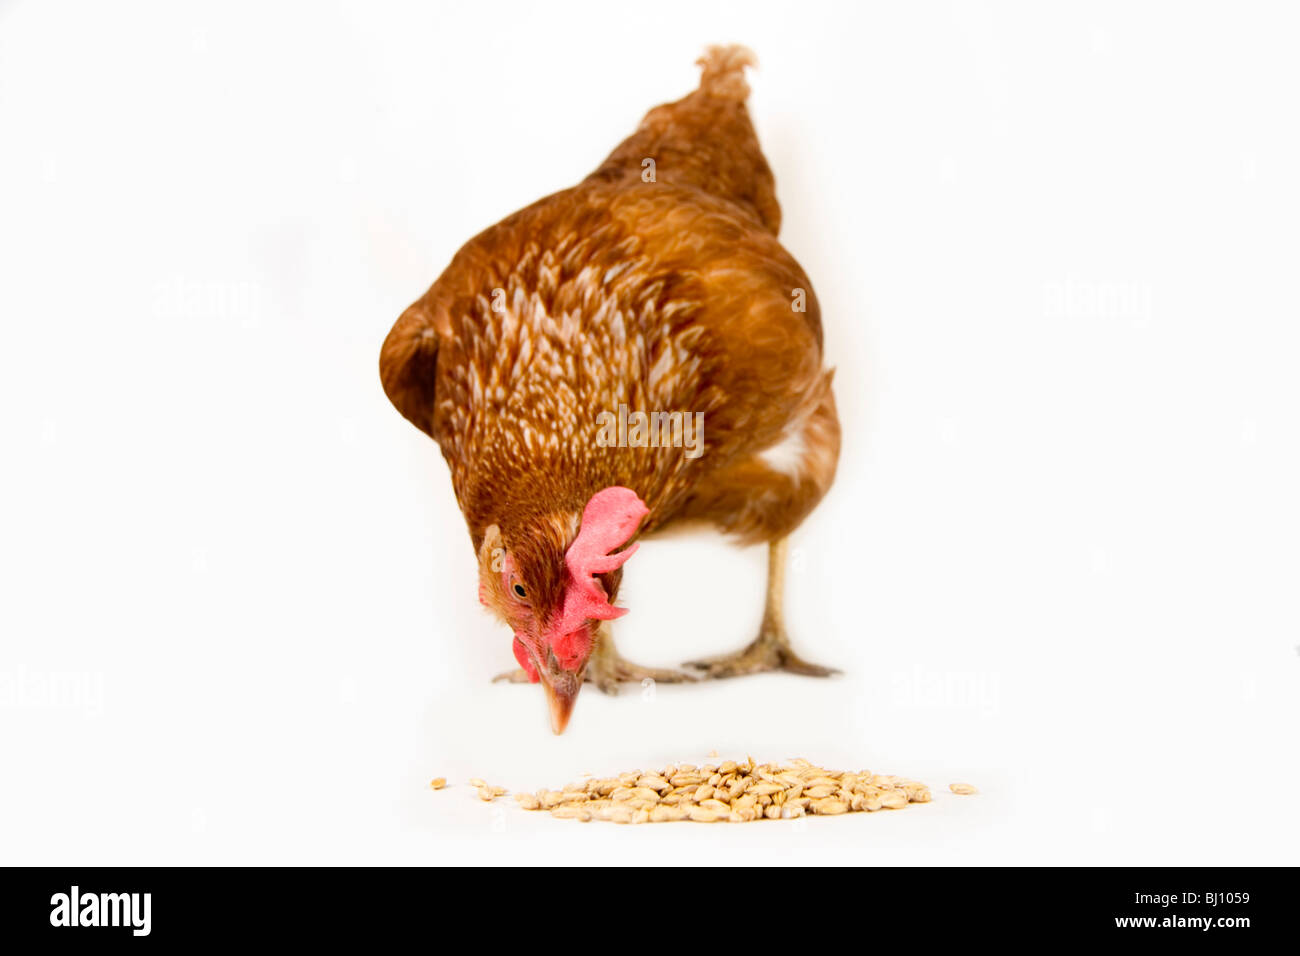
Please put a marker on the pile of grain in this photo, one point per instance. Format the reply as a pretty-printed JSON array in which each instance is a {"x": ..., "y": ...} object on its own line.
[{"x": 728, "y": 792}]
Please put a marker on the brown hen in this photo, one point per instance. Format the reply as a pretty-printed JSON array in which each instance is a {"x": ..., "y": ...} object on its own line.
[{"x": 636, "y": 349}]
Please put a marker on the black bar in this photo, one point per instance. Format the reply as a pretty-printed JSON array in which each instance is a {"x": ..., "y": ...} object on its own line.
[{"x": 210, "y": 905}]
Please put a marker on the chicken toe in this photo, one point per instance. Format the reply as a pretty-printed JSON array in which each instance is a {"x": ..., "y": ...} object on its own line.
[
  {"x": 607, "y": 668},
  {"x": 516, "y": 676},
  {"x": 770, "y": 651}
]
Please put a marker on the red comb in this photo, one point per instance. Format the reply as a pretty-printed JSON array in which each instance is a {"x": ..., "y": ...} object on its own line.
[{"x": 610, "y": 518}]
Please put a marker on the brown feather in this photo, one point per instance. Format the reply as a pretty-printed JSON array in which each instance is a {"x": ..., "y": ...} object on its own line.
[{"x": 672, "y": 295}]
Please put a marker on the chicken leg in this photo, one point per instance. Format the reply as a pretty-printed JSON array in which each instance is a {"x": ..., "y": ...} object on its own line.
[
  {"x": 771, "y": 650},
  {"x": 606, "y": 668}
]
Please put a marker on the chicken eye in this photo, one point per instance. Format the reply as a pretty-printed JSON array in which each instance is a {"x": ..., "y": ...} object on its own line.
[{"x": 519, "y": 590}]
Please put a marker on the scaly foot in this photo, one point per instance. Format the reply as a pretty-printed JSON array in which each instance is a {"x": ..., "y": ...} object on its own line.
[
  {"x": 770, "y": 651},
  {"x": 607, "y": 669}
]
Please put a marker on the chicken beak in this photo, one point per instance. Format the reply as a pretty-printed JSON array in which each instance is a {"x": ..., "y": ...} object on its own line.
[
  {"x": 561, "y": 692},
  {"x": 561, "y": 705}
]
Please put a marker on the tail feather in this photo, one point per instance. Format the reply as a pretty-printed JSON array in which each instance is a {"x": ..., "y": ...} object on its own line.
[
  {"x": 724, "y": 71},
  {"x": 704, "y": 140}
]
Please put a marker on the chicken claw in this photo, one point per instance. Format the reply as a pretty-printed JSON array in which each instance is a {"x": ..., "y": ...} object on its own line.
[
  {"x": 516, "y": 676},
  {"x": 607, "y": 668},
  {"x": 770, "y": 651}
]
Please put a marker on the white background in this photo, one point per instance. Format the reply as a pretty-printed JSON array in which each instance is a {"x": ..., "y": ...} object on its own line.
[{"x": 1055, "y": 247}]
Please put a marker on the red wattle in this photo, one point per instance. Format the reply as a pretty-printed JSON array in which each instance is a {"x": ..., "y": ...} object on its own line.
[{"x": 521, "y": 655}]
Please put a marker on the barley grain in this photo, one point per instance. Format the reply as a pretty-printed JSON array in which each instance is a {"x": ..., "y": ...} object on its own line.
[
  {"x": 569, "y": 811},
  {"x": 830, "y": 807},
  {"x": 701, "y": 815},
  {"x": 739, "y": 793}
]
